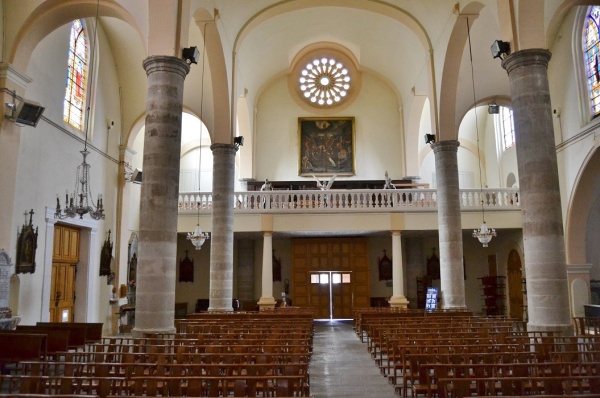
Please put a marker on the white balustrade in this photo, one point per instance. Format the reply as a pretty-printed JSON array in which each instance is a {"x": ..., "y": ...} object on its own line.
[{"x": 355, "y": 200}]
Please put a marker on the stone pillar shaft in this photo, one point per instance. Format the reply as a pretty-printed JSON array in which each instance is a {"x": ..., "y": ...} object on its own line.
[
  {"x": 543, "y": 236},
  {"x": 398, "y": 299},
  {"x": 449, "y": 224},
  {"x": 155, "y": 285},
  {"x": 221, "y": 242}
]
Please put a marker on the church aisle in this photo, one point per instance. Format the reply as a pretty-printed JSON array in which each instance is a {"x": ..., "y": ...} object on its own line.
[{"x": 342, "y": 367}]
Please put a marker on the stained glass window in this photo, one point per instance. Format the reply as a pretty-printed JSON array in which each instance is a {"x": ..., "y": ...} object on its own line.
[
  {"x": 76, "y": 76},
  {"x": 590, "y": 50}
]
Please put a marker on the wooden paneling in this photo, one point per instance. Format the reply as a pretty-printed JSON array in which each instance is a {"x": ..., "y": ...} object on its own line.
[
  {"x": 66, "y": 244},
  {"x": 335, "y": 254}
]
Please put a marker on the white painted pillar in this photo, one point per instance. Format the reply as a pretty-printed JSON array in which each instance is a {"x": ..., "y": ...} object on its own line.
[
  {"x": 266, "y": 299},
  {"x": 398, "y": 300}
]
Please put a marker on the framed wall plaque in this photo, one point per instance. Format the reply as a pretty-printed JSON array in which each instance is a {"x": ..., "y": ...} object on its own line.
[
  {"x": 326, "y": 146},
  {"x": 26, "y": 247}
]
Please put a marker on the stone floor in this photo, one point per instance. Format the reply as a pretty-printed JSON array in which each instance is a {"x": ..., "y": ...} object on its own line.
[{"x": 341, "y": 367}]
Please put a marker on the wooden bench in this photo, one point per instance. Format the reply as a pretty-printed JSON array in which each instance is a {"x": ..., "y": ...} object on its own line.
[
  {"x": 57, "y": 342},
  {"x": 80, "y": 333},
  {"x": 17, "y": 347}
]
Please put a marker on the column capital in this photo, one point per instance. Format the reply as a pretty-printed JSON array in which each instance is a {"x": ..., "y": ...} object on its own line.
[
  {"x": 528, "y": 57},
  {"x": 445, "y": 146},
  {"x": 164, "y": 63},
  {"x": 396, "y": 233},
  {"x": 224, "y": 148}
]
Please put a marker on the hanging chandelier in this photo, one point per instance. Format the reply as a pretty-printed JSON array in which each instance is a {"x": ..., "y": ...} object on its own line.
[
  {"x": 483, "y": 234},
  {"x": 81, "y": 202},
  {"x": 198, "y": 237}
]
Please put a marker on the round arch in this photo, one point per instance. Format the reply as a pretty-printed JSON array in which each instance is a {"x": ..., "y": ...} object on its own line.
[
  {"x": 585, "y": 194},
  {"x": 52, "y": 14}
]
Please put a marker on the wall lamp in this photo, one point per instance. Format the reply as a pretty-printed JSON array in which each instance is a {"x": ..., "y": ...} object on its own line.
[
  {"x": 500, "y": 49},
  {"x": 429, "y": 138},
  {"x": 190, "y": 55},
  {"x": 238, "y": 141}
]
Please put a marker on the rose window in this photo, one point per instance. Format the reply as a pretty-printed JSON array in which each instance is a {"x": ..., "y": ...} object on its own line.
[{"x": 324, "y": 82}]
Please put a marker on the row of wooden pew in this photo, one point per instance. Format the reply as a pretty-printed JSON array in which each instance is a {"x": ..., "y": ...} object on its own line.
[
  {"x": 245, "y": 355},
  {"x": 457, "y": 355}
]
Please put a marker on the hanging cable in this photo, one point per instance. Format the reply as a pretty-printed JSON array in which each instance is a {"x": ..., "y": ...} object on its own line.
[{"x": 484, "y": 234}]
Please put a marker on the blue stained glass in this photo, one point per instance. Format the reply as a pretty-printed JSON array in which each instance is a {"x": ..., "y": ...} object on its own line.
[{"x": 76, "y": 76}]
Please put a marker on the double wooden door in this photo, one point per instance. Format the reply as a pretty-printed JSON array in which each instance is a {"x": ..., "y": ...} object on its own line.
[
  {"x": 331, "y": 276},
  {"x": 65, "y": 257}
]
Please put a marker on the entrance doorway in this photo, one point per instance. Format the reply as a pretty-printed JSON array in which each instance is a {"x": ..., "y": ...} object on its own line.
[
  {"x": 331, "y": 294},
  {"x": 65, "y": 257}
]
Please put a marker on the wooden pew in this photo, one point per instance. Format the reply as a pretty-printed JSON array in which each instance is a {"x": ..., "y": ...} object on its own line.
[
  {"x": 81, "y": 333},
  {"x": 57, "y": 342},
  {"x": 17, "y": 347}
]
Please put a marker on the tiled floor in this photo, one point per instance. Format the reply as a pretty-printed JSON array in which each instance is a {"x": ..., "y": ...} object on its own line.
[{"x": 341, "y": 367}]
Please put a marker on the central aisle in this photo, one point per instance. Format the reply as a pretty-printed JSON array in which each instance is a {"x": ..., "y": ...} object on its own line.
[{"x": 341, "y": 366}]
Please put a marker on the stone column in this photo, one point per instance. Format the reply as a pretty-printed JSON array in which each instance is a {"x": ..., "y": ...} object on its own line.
[
  {"x": 398, "y": 300},
  {"x": 157, "y": 257},
  {"x": 541, "y": 214},
  {"x": 221, "y": 242},
  {"x": 449, "y": 225},
  {"x": 266, "y": 299},
  {"x": 245, "y": 285}
]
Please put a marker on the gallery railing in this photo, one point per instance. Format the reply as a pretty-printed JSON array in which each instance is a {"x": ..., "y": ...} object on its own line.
[{"x": 355, "y": 200}]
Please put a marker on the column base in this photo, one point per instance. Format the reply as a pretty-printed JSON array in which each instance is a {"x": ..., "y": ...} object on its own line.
[
  {"x": 138, "y": 333},
  {"x": 266, "y": 303},
  {"x": 398, "y": 302},
  {"x": 562, "y": 330}
]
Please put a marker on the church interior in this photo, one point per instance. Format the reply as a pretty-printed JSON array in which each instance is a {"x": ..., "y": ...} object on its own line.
[{"x": 165, "y": 161}]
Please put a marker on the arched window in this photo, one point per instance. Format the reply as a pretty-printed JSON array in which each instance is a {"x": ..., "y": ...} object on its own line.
[
  {"x": 505, "y": 127},
  {"x": 590, "y": 51},
  {"x": 75, "y": 94}
]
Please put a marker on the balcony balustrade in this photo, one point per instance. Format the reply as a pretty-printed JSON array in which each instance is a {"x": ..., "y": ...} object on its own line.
[{"x": 353, "y": 200}]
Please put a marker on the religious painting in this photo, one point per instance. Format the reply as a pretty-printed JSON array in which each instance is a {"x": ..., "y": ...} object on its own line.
[
  {"x": 26, "y": 247},
  {"x": 106, "y": 256},
  {"x": 186, "y": 269},
  {"x": 433, "y": 266},
  {"x": 276, "y": 268},
  {"x": 385, "y": 268},
  {"x": 326, "y": 146}
]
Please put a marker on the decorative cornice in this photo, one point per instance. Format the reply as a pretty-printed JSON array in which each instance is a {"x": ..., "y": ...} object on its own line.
[{"x": 10, "y": 73}]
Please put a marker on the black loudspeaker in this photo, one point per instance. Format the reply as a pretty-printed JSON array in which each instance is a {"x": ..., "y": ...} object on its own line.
[
  {"x": 136, "y": 177},
  {"x": 429, "y": 138},
  {"x": 28, "y": 113}
]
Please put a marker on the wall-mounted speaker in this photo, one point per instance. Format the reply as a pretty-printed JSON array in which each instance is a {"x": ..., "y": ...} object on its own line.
[
  {"x": 136, "y": 177},
  {"x": 28, "y": 113}
]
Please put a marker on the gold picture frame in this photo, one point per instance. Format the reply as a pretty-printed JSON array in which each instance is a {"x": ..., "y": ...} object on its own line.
[{"x": 326, "y": 146}]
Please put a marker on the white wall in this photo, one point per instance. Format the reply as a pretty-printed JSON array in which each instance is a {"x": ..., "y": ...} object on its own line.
[
  {"x": 48, "y": 159},
  {"x": 378, "y": 138}
]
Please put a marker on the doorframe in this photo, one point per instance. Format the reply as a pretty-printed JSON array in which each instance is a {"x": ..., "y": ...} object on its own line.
[
  {"x": 86, "y": 284},
  {"x": 331, "y": 272}
]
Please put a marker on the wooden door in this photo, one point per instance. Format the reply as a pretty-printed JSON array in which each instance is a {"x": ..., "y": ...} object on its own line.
[
  {"x": 341, "y": 293},
  {"x": 62, "y": 299},
  {"x": 64, "y": 269},
  {"x": 515, "y": 287},
  {"x": 320, "y": 294},
  {"x": 335, "y": 256}
]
